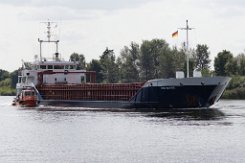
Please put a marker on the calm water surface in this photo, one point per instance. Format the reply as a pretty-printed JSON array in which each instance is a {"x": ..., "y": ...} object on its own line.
[{"x": 81, "y": 135}]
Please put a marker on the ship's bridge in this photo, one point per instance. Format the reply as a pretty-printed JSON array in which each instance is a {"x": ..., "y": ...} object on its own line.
[
  {"x": 55, "y": 72},
  {"x": 54, "y": 65}
]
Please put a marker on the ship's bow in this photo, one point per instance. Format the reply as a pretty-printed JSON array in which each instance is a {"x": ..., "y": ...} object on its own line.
[
  {"x": 180, "y": 93},
  {"x": 221, "y": 83}
]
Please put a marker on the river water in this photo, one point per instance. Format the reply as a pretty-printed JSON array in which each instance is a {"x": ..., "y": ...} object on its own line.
[{"x": 49, "y": 134}]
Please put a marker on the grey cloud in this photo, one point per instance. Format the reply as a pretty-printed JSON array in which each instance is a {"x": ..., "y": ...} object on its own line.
[
  {"x": 228, "y": 8},
  {"x": 57, "y": 13},
  {"x": 70, "y": 9},
  {"x": 78, "y": 4}
]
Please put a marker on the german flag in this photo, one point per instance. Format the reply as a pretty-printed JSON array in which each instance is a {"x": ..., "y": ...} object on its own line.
[{"x": 175, "y": 34}]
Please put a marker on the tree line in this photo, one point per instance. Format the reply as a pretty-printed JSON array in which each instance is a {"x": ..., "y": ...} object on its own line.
[
  {"x": 148, "y": 60},
  {"x": 225, "y": 64},
  {"x": 152, "y": 59},
  {"x": 8, "y": 82},
  {"x": 156, "y": 59}
]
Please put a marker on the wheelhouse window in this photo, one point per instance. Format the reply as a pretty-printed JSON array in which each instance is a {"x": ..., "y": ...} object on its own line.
[
  {"x": 50, "y": 67},
  {"x": 72, "y": 67},
  {"x": 66, "y": 67},
  {"x": 43, "y": 67},
  {"x": 29, "y": 93},
  {"x": 58, "y": 67}
]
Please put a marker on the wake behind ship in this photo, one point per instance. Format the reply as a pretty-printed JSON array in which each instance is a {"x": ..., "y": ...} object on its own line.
[{"x": 58, "y": 83}]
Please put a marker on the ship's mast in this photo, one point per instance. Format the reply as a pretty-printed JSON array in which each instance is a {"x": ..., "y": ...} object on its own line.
[
  {"x": 48, "y": 23},
  {"x": 187, "y": 28}
]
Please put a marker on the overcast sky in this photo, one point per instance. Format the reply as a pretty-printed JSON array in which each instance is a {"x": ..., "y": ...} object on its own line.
[{"x": 89, "y": 26}]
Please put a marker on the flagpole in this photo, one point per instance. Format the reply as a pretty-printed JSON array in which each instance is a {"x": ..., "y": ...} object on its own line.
[{"x": 187, "y": 28}]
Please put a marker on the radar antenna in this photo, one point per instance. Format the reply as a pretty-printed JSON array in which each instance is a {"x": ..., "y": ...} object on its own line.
[{"x": 48, "y": 23}]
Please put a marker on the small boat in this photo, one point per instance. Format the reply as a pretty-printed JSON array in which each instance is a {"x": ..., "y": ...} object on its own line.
[{"x": 26, "y": 98}]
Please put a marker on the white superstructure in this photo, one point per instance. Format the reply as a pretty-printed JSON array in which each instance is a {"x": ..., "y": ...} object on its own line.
[{"x": 54, "y": 71}]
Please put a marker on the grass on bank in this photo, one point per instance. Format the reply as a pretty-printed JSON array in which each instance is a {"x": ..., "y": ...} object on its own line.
[
  {"x": 6, "y": 89},
  {"x": 235, "y": 89}
]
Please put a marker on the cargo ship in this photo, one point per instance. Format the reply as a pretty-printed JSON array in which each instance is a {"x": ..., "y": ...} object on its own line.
[{"x": 58, "y": 83}]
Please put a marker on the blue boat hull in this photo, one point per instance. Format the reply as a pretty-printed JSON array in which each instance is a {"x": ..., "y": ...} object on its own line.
[
  {"x": 177, "y": 97},
  {"x": 160, "y": 94}
]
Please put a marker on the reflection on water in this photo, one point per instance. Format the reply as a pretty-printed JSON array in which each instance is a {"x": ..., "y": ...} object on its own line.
[
  {"x": 203, "y": 114},
  {"x": 56, "y": 108},
  {"x": 63, "y": 134},
  {"x": 180, "y": 114}
]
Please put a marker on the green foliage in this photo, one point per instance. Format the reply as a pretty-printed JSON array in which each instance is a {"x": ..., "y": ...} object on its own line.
[
  {"x": 14, "y": 78},
  {"x": 127, "y": 62},
  {"x": 146, "y": 61},
  {"x": 236, "y": 88},
  {"x": 79, "y": 59},
  {"x": 181, "y": 65},
  {"x": 7, "y": 91},
  {"x": 95, "y": 65},
  {"x": 152, "y": 54},
  {"x": 191, "y": 66},
  {"x": 202, "y": 60},
  {"x": 5, "y": 82},
  {"x": 179, "y": 58},
  {"x": 241, "y": 64},
  {"x": 221, "y": 63},
  {"x": 28, "y": 65},
  {"x": 231, "y": 67},
  {"x": 167, "y": 65},
  {"x": 3, "y": 74},
  {"x": 237, "y": 82},
  {"x": 237, "y": 93},
  {"x": 206, "y": 72},
  {"x": 5, "y": 87},
  {"x": 110, "y": 69},
  {"x": 152, "y": 59}
]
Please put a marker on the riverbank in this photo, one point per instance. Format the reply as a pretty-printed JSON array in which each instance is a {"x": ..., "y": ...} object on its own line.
[
  {"x": 235, "y": 89},
  {"x": 7, "y": 90}
]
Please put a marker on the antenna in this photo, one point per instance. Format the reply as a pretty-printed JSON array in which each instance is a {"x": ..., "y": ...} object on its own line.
[
  {"x": 48, "y": 23},
  {"x": 187, "y": 28}
]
